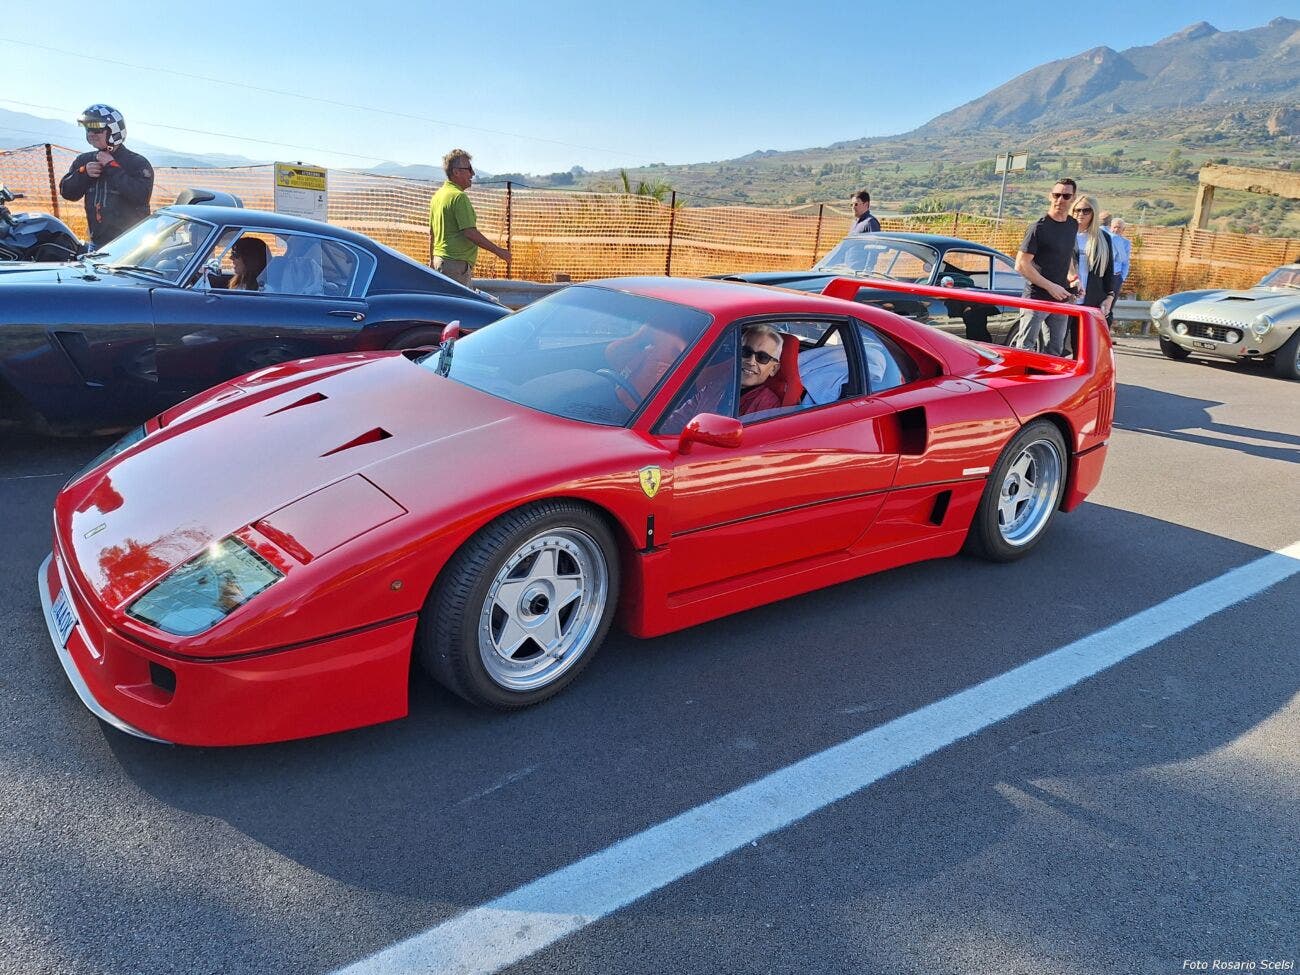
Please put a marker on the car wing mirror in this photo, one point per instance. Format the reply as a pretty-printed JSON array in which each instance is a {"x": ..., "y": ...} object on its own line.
[{"x": 712, "y": 429}]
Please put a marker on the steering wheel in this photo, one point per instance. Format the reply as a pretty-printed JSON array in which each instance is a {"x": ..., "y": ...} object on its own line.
[{"x": 622, "y": 384}]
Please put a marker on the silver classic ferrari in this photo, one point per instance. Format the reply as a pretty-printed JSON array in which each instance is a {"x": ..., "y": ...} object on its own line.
[{"x": 1262, "y": 322}]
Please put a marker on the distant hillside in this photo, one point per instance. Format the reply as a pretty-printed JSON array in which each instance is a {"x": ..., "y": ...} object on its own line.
[
  {"x": 1133, "y": 127},
  {"x": 1199, "y": 65}
]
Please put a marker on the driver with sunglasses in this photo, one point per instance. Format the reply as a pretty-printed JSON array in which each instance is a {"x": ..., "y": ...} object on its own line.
[{"x": 760, "y": 358}]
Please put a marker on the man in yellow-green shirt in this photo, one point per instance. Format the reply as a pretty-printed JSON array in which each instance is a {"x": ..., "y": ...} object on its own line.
[{"x": 453, "y": 224}]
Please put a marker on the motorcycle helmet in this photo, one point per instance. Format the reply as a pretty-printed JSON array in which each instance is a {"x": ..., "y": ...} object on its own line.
[{"x": 105, "y": 117}]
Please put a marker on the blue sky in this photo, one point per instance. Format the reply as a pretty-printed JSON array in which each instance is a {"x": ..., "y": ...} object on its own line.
[{"x": 613, "y": 84}]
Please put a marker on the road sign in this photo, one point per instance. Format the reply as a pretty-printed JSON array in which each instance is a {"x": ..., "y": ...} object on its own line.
[
  {"x": 302, "y": 191},
  {"x": 1017, "y": 160}
]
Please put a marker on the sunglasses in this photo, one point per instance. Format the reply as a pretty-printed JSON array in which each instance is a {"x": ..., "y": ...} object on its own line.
[
  {"x": 1062, "y": 196},
  {"x": 468, "y": 169},
  {"x": 764, "y": 359},
  {"x": 1083, "y": 209}
]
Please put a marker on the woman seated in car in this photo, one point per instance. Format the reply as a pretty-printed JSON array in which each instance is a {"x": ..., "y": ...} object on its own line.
[
  {"x": 249, "y": 256},
  {"x": 760, "y": 358}
]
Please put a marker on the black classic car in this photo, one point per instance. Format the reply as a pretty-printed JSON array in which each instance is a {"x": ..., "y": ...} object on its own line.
[
  {"x": 917, "y": 258},
  {"x": 122, "y": 333}
]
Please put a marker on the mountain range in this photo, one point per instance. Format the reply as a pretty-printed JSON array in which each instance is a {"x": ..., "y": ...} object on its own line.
[{"x": 1198, "y": 65}]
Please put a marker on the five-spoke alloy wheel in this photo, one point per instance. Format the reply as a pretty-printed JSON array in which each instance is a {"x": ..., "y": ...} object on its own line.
[
  {"x": 522, "y": 607},
  {"x": 1022, "y": 494}
]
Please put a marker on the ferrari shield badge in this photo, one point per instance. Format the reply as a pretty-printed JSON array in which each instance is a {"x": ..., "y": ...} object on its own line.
[{"x": 651, "y": 478}]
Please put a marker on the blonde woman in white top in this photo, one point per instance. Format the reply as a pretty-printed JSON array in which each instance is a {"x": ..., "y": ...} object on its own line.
[{"x": 1095, "y": 257}]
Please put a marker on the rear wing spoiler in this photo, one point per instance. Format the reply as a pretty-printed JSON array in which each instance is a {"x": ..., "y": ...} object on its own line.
[{"x": 1088, "y": 323}]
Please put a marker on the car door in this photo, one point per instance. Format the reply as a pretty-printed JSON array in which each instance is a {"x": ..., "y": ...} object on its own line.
[
  {"x": 803, "y": 485},
  {"x": 310, "y": 302}
]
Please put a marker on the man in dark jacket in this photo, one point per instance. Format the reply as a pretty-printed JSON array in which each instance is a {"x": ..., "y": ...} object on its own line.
[{"x": 115, "y": 182}]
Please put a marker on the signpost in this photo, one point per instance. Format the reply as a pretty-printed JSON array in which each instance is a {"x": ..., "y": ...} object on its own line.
[
  {"x": 301, "y": 190},
  {"x": 1008, "y": 162}
]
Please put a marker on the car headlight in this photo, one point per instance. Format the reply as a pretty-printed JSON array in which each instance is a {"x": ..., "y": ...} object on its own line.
[
  {"x": 1231, "y": 337},
  {"x": 129, "y": 440},
  {"x": 1159, "y": 309},
  {"x": 1261, "y": 325},
  {"x": 200, "y": 593},
  {"x": 1181, "y": 328}
]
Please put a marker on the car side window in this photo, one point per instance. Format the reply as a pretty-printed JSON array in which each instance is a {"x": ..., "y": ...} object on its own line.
[
  {"x": 712, "y": 389},
  {"x": 1006, "y": 277},
  {"x": 967, "y": 266},
  {"x": 311, "y": 266},
  {"x": 888, "y": 365}
]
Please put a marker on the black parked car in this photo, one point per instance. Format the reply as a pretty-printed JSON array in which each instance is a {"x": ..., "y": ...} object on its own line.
[
  {"x": 917, "y": 258},
  {"x": 122, "y": 333}
]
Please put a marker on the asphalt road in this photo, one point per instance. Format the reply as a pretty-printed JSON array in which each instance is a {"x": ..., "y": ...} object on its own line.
[{"x": 1146, "y": 820}]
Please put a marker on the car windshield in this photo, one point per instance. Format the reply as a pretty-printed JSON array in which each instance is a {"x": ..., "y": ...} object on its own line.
[
  {"x": 874, "y": 256},
  {"x": 1283, "y": 277},
  {"x": 586, "y": 353},
  {"x": 158, "y": 247}
]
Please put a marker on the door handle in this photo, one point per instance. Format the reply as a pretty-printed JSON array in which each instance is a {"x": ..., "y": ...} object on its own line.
[{"x": 356, "y": 316}]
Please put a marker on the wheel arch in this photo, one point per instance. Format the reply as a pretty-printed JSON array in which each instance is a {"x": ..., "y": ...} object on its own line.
[{"x": 621, "y": 532}]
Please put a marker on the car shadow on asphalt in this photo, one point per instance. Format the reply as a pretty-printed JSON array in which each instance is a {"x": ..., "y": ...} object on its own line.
[
  {"x": 1187, "y": 419},
  {"x": 454, "y": 806}
]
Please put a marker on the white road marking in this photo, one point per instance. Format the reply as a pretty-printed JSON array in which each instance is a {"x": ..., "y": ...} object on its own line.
[{"x": 526, "y": 920}]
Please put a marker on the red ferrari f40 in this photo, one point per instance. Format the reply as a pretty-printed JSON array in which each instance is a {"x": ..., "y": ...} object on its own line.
[{"x": 261, "y": 562}]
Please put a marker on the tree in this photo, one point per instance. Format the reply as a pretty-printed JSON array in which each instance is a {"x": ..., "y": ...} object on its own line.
[{"x": 658, "y": 190}]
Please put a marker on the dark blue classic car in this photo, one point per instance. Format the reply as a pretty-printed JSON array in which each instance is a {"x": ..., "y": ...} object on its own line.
[
  {"x": 916, "y": 258},
  {"x": 159, "y": 315}
]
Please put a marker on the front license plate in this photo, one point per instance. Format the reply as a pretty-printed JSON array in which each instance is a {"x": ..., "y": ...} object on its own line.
[
  {"x": 1205, "y": 345},
  {"x": 64, "y": 617}
]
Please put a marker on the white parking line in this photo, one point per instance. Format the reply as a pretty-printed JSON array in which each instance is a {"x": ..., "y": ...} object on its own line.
[{"x": 524, "y": 921}]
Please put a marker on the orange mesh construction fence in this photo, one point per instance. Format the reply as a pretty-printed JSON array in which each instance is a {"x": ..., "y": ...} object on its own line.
[{"x": 591, "y": 235}]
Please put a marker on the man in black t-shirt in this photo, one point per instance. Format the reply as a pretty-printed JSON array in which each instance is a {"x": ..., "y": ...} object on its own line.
[{"x": 1044, "y": 260}]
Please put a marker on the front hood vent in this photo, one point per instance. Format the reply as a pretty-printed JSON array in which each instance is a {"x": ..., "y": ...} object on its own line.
[{"x": 370, "y": 436}]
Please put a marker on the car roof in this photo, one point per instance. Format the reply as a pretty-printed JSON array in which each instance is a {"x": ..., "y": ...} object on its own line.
[
  {"x": 240, "y": 216},
  {"x": 940, "y": 241},
  {"x": 725, "y": 298}
]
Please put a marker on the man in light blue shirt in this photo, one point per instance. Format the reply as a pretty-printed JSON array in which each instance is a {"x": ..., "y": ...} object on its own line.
[{"x": 1123, "y": 248}]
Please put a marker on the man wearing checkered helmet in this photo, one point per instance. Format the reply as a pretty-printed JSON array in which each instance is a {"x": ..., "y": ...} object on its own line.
[{"x": 115, "y": 182}]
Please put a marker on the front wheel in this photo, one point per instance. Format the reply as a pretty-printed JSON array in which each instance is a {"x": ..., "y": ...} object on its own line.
[
  {"x": 1021, "y": 496},
  {"x": 522, "y": 607},
  {"x": 1172, "y": 349},
  {"x": 1286, "y": 360}
]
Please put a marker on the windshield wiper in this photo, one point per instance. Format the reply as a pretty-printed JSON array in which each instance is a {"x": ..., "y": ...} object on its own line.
[{"x": 136, "y": 267}]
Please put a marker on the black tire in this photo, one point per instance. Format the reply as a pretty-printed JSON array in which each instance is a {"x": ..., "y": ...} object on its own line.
[
  {"x": 1172, "y": 349},
  {"x": 1040, "y": 448},
  {"x": 429, "y": 336},
  {"x": 449, "y": 644},
  {"x": 1286, "y": 360}
]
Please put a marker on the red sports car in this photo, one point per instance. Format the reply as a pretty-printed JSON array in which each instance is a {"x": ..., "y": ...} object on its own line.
[{"x": 261, "y": 562}]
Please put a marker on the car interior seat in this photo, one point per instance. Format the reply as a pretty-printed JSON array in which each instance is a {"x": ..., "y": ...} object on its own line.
[
  {"x": 297, "y": 271},
  {"x": 642, "y": 358},
  {"x": 788, "y": 384}
]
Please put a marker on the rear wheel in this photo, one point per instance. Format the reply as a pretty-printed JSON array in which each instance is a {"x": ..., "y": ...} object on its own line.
[
  {"x": 1021, "y": 496},
  {"x": 1172, "y": 349},
  {"x": 522, "y": 608},
  {"x": 1286, "y": 360}
]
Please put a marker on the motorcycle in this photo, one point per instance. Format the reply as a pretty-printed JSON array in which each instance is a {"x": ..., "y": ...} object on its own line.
[{"x": 34, "y": 236}]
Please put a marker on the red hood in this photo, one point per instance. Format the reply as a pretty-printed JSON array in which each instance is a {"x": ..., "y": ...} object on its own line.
[{"x": 423, "y": 440}]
